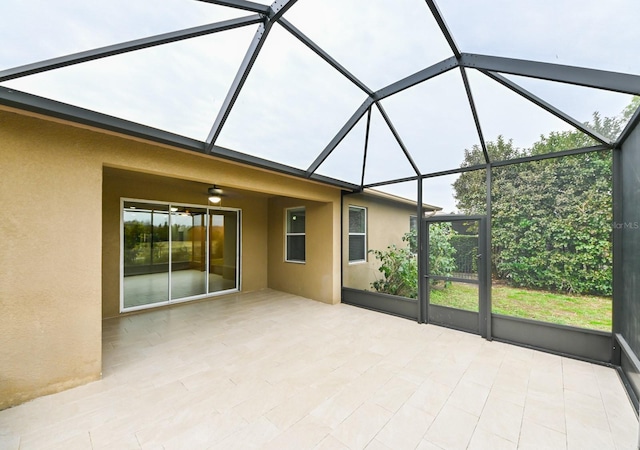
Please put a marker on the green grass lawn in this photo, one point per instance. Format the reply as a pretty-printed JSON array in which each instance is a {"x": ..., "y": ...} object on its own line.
[{"x": 576, "y": 310}]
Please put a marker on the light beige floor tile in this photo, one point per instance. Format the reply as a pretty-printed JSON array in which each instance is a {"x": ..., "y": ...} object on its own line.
[
  {"x": 302, "y": 375},
  {"x": 426, "y": 445},
  {"x": 305, "y": 434},
  {"x": 209, "y": 379},
  {"x": 549, "y": 360},
  {"x": 520, "y": 353},
  {"x": 190, "y": 430},
  {"x": 534, "y": 436},
  {"x": 401, "y": 353},
  {"x": 545, "y": 411},
  {"x": 513, "y": 374},
  {"x": 250, "y": 436},
  {"x": 265, "y": 397},
  {"x": 584, "y": 437},
  {"x": 578, "y": 376},
  {"x": 394, "y": 393},
  {"x": 624, "y": 428},
  {"x": 448, "y": 373},
  {"x": 482, "y": 373},
  {"x": 374, "y": 378},
  {"x": 363, "y": 362},
  {"x": 501, "y": 418},
  {"x": 452, "y": 429},
  {"x": 406, "y": 428},
  {"x": 337, "y": 408},
  {"x": 484, "y": 440},
  {"x": 119, "y": 441},
  {"x": 419, "y": 368},
  {"x": 546, "y": 380},
  {"x": 469, "y": 396},
  {"x": 331, "y": 443},
  {"x": 377, "y": 445},
  {"x": 509, "y": 393},
  {"x": 60, "y": 428},
  {"x": 70, "y": 440},
  {"x": 586, "y": 410},
  {"x": 608, "y": 381},
  {"x": 492, "y": 353},
  {"x": 333, "y": 411},
  {"x": 430, "y": 397},
  {"x": 415, "y": 375},
  {"x": 9, "y": 441},
  {"x": 296, "y": 407},
  {"x": 119, "y": 429},
  {"x": 360, "y": 427},
  {"x": 336, "y": 379}
]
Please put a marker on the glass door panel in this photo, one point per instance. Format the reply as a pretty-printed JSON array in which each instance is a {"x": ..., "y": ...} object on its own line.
[
  {"x": 188, "y": 252},
  {"x": 223, "y": 250},
  {"x": 145, "y": 254}
]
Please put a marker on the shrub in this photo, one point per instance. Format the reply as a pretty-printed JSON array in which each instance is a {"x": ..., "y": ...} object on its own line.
[{"x": 399, "y": 265}]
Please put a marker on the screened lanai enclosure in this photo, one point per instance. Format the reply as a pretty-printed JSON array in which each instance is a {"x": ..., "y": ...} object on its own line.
[{"x": 490, "y": 150}]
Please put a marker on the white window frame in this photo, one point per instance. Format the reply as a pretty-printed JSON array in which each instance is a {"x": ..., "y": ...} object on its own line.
[
  {"x": 366, "y": 223},
  {"x": 287, "y": 234}
]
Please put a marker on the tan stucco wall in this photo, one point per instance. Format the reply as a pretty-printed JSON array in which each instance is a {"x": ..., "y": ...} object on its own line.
[
  {"x": 310, "y": 279},
  {"x": 387, "y": 222},
  {"x": 51, "y": 258},
  {"x": 50, "y": 321}
]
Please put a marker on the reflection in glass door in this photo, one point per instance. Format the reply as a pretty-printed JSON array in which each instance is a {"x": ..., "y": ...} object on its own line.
[
  {"x": 146, "y": 254},
  {"x": 223, "y": 250},
  {"x": 188, "y": 252}
]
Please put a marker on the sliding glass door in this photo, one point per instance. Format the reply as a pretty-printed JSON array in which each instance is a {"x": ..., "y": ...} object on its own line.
[{"x": 175, "y": 253}]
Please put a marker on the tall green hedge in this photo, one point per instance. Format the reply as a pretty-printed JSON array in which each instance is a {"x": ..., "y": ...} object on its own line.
[{"x": 551, "y": 219}]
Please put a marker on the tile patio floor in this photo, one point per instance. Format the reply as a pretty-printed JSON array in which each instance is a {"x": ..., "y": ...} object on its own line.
[{"x": 272, "y": 370}]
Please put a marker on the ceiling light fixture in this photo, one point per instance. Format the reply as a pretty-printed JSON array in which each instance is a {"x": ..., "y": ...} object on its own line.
[{"x": 215, "y": 194}]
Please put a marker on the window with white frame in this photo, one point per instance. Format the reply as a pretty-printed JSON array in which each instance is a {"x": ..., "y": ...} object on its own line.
[
  {"x": 357, "y": 234},
  {"x": 295, "y": 235}
]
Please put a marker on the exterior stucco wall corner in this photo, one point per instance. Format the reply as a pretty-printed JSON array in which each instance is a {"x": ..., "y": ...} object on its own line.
[{"x": 50, "y": 263}]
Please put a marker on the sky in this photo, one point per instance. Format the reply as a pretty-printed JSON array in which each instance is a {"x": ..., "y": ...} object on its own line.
[{"x": 293, "y": 103}]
